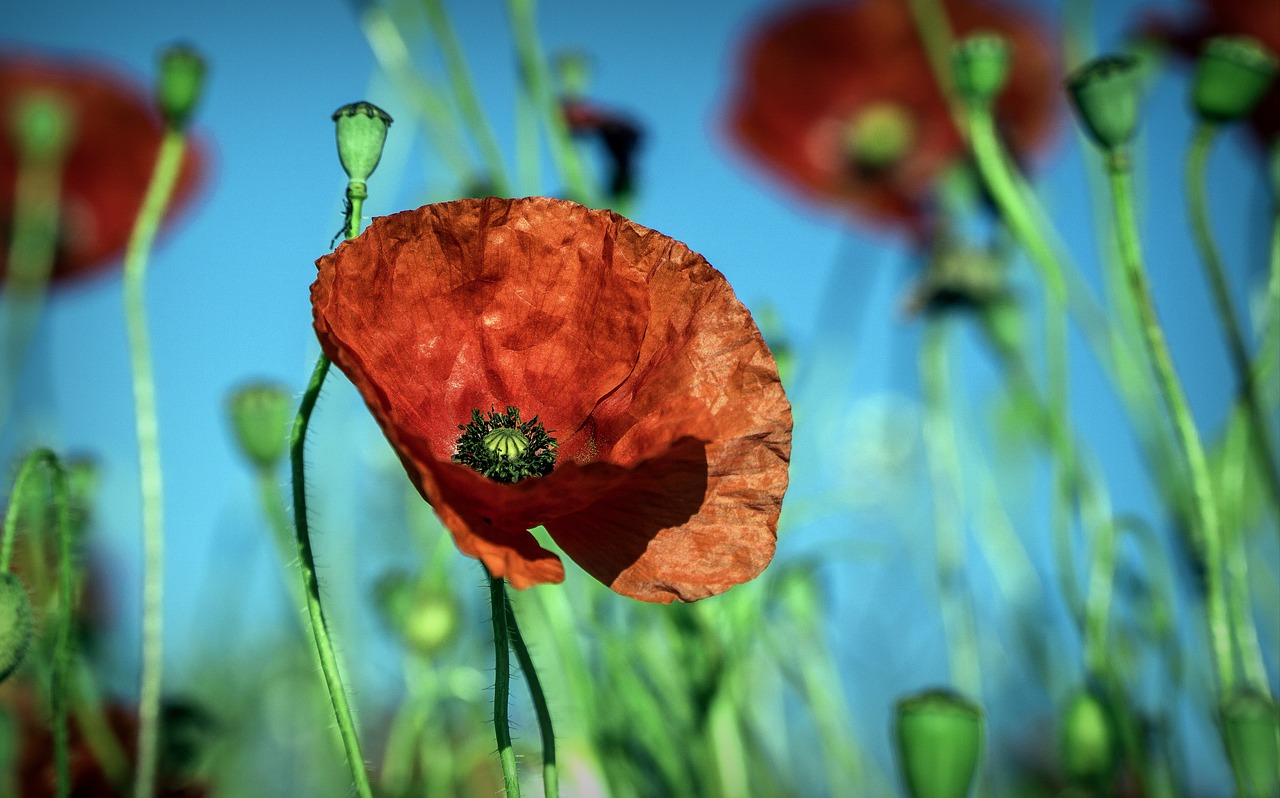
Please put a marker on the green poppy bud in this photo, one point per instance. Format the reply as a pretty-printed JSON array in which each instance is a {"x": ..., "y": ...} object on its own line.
[
  {"x": 42, "y": 126},
  {"x": 939, "y": 737},
  {"x": 260, "y": 418},
  {"x": 426, "y": 618},
  {"x": 573, "y": 70},
  {"x": 15, "y": 624},
  {"x": 980, "y": 65},
  {"x": 879, "y": 135},
  {"x": 1251, "y": 726},
  {"x": 361, "y": 130},
  {"x": 1105, "y": 95},
  {"x": 1231, "y": 76},
  {"x": 1087, "y": 739},
  {"x": 181, "y": 83}
]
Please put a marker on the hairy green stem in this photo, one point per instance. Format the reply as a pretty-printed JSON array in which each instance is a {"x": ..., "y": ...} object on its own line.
[
  {"x": 502, "y": 682},
  {"x": 150, "y": 475},
  {"x": 536, "y": 76},
  {"x": 550, "y": 778},
  {"x": 1235, "y": 454},
  {"x": 1264, "y": 446},
  {"x": 46, "y": 459},
  {"x": 464, "y": 92},
  {"x": 1190, "y": 448}
]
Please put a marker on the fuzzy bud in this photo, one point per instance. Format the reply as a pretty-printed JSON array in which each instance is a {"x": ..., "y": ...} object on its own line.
[{"x": 939, "y": 737}]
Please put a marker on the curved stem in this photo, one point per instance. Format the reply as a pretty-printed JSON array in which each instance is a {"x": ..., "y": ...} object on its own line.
[
  {"x": 1263, "y": 445},
  {"x": 151, "y": 482},
  {"x": 1190, "y": 447},
  {"x": 311, "y": 585},
  {"x": 502, "y": 682},
  {"x": 536, "y": 76},
  {"x": 550, "y": 778},
  {"x": 66, "y": 578}
]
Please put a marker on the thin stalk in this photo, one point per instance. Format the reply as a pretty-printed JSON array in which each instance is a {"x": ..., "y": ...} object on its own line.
[
  {"x": 1264, "y": 446},
  {"x": 150, "y": 475},
  {"x": 550, "y": 778},
  {"x": 464, "y": 92},
  {"x": 502, "y": 682},
  {"x": 311, "y": 585},
  {"x": 46, "y": 459},
  {"x": 1190, "y": 448},
  {"x": 944, "y": 467},
  {"x": 1235, "y": 454},
  {"x": 536, "y": 76}
]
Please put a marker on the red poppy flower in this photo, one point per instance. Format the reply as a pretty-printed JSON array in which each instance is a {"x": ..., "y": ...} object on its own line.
[
  {"x": 838, "y": 100},
  {"x": 1259, "y": 19},
  {"x": 107, "y": 167},
  {"x": 672, "y": 431}
]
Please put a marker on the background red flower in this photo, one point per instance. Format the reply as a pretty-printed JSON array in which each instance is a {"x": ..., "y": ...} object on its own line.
[
  {"x": 808, "y": 71},
  {"x": 107, "y": 168},
  {"x": 674, "y": 433}
]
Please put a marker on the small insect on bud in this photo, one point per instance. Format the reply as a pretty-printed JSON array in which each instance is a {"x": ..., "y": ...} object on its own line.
[
  {"x": 181, "y": 84},
  {"x": 15, "y": 624},
  {"x": 939, "y": 737},
  {"x": 1105, "y": 95}
]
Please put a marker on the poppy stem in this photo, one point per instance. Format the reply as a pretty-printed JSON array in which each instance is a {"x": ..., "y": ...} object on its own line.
[
  {"x": 550, "y": 778},
  {"x": 311, "y": 585},
  {"x": 66, "y": 577},
  {"x": 1206, "y": 520},
  {"x": 502, "y": 681},
  {"x": 150, "y": 476},
  {"x": 1262, "y": 444}
]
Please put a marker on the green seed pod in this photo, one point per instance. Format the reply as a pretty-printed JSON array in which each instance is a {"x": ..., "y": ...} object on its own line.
[
  {"x": 1251, "y": 726},
  {"x": 424, "y": 617},
  {"x": 15, "y": 624},
  {"x": 939, "y": 741},
  {"x": 43, "y": 126},
  {"x": 260, "y": 417},
  {"x": 1105, "y": 95},
  {"x": 980, "y": 65},
  {"x": 1231, "y": 76},
  {"x": 361, "y": 130},
  {"x": 1087, "y": 739},
  {"x": 181, "y": 83}
]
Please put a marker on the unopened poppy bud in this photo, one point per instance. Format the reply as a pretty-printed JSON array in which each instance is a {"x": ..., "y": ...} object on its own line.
[
  {"x": 1231, "y": 76},
  {"x": 15, "y": 624},
  {"x": 939, "y": 737},
  {"x": 260, "y": 415},
  {"x": 425, "y": 618},
  {"x": 980, "y": 65},
  {"x": 879, "y": 136},
  {"x": 361, "y": 130},
  {"x": 1105, "y": 95},
  {"x": 1087, "y": 739},
  {"x": 42, "y": 126},
  {"x": 573, "y": 69},
  {"x": 181, "y": 83},
  {"x": 1251, "y": 724}
]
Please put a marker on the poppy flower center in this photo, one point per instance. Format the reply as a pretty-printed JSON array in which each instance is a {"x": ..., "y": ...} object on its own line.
[
  {"x": 504, "y": 448},
  {"x": 879, "y": 135}
]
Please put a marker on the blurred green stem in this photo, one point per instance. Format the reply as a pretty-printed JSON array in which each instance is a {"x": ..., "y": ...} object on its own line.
[
  {"x": 550, "y": 779},
  {"x": 944, "y": 468},
  {"x": 502, "y": 682},
  {"x": 150, "y": 475},
  {"x": 536, "y": 77},
  {"x": 1263, "y": 445},
  {"x": 465, "y": 94},
  {"x": 46, "y": 459},
  {"x": 1190, "y": 447}
]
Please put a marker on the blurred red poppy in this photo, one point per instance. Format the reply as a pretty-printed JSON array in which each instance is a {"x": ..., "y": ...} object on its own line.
[
  {"x": 673, "y": 431},
  {"x": 838, "y": 100},
  {"x": 107, "y": 167},
  {"x": 1259, "y": 19}
]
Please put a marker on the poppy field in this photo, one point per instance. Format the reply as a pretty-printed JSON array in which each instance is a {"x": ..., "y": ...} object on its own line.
[{"x": 779, "y": 398}]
